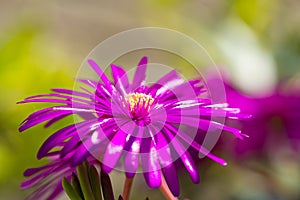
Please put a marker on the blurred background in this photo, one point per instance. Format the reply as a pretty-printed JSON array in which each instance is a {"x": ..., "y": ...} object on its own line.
[{"x": 257, "y": 44}]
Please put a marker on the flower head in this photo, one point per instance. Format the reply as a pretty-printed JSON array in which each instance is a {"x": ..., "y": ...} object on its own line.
[{"x": 139, "y": 125}]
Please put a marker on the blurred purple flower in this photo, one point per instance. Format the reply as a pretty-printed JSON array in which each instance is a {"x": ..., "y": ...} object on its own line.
[
  {"x": 275, "y": 119},
  {"x": 132, "y": 121}
]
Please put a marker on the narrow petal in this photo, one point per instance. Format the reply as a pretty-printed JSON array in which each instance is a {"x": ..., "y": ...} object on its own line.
[
  {"x": 140, "y": 74},
  {"x": 70, "y": 92},
  {"x": 100, "y": 73},
  {"x": 150, "y": 165},
  {"x": 91, "y": 83},
  {"x": 114, "y": 151},
  {"x": 171, "y": 177},
  {"x": 203, "y": 124},
  {"x": 58, "y": 137},
  {"x": 52, "y": 121},
  {"x": 197, "y": 146},
  {"x": 120, "y": 78},
  {"x": 131, "y": 159},
  {"x": 31, "y": 171},
  {"x": 167, "y": 82},
  {"x": 43, "y": 117},
  {"x": 184, "y": 156}
]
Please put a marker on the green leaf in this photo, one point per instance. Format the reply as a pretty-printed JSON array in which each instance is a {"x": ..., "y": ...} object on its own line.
[
  {"x": 72, "y": 194},
  {"x": 106, "y": 186},
  {"x": 76, "y": 185},
  {"x": 82, "y": 171},
  {"x": 95, "y": 182}
]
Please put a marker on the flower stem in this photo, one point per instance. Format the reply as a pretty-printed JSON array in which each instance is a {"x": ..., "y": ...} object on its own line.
[
  {"x": 164, "y": 188},
  {"x": 127, "y": 188}
]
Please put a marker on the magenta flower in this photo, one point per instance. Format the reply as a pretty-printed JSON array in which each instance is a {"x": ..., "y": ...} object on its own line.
[
  {"x": 135, "y": 124},
  {"x": 47, "y": 179},
  {"x": 275, "y": 119}
]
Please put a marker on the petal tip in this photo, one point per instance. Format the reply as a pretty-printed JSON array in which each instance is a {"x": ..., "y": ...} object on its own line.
[
  {"x": 106, "y": 169},
  {"x": 91, "y": 61},
  {"x": 143, "y": 61}
]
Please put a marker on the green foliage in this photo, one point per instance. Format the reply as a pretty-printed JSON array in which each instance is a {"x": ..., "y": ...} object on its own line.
[
  {"x": 95, "y": 182},
  {"x": 87, "y": 186},
  {"x": 70, "y": 190},
  {"x": 83, "y": 177}
]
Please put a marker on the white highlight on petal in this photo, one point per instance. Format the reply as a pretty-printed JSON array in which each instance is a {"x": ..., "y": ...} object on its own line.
[
  {"x": 218, "y": 105},
  {"x": 127, "y": 138},
  {"x": 165, "y": 162},
  {"x": 135, "y": 147},
  {"x": 91, "y": 83},
  {"x": 187, "y": 103},
  {"x": 232, "y": 110},
  {"x": 153, "y": 158},
  {"x": 96, "y": 125},
  {"x": 72, "y": 109},
  {"x": 169, "y": 85},
  {"x": 189, "y": 165},
  {"x": 95, "y": 139},
  {"x": 112, "y": 149}
]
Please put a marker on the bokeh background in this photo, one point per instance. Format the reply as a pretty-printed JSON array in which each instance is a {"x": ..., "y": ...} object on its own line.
[{"x": 257, "y": 43}]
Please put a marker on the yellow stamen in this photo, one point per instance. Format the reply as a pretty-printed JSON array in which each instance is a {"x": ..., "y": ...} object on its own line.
[{"x": 139, "y": 100}]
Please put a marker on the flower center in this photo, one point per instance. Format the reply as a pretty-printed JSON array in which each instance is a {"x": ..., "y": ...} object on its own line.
[{"x": 139, "y": 103}]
